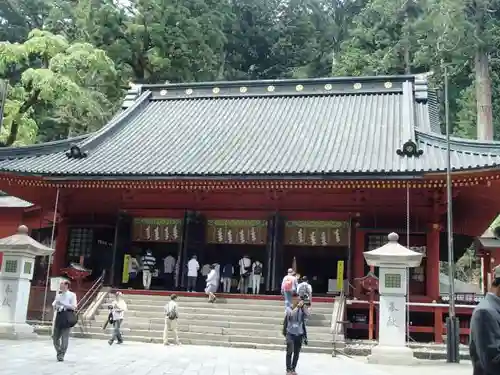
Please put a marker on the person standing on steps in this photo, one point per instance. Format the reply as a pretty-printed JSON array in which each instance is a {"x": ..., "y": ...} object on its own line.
[
  {"x": 148, "y": 267},
  {"x": 118, "y": 308},
  {"x": 245, "y": 264},
  {"x": 257, "y": 269},
  {"x": 227, "y": 277},
  {"x": 294, "y": 330},
  {"x": 484, "y": 345},
  {"x": 212, "y": 281},
  {"x": 193, "y": 269},
  {"x": 64, "y": 305},
  {"x": 168, "y": 272},
  {"x": 171, "y": 317},
  {"x": 289, "y": 287},
  {"x": 304, "y": 291}
]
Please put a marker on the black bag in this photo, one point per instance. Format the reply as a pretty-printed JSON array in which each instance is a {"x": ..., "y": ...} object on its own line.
[
  {"x": 285, "y": 325},
  {"x": 66, "y": 319},
  {"x": 257, "y": 269}
]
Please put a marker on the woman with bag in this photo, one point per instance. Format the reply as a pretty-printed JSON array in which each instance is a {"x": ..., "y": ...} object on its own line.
[
  {"x": 118, "y": 308},
  {"x": 64, "y": 307},
  {"x": 294, "y": 329}
]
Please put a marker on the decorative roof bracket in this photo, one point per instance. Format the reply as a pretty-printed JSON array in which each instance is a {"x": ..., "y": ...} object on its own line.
[
  {"x": 76, "y": 152},
  {"x": 409, "y": 149}
]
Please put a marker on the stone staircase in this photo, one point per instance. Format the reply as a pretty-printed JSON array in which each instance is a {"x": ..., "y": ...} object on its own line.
[{"x": 235, "y": 322}]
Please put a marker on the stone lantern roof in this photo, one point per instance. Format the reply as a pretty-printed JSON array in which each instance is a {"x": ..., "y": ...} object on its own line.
[
  {"x": 21, "y": 244},
  {"x": 393, "y": 254}
]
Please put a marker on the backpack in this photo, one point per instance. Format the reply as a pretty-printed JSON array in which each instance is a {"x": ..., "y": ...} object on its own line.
[
  {"x": 288, "y": 284},
  {"x": 257, "y": 269}
]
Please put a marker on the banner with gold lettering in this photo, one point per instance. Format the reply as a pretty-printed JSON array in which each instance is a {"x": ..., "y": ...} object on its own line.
[
  {"x": 125, "y": 274},
  {"x": 317, "y": 233},
  {"x": 251, "y": 232},
  {"x": 157, "y": 230}
]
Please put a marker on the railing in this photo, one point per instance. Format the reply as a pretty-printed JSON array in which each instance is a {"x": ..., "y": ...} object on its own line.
[{"x": 87, "y": 299}]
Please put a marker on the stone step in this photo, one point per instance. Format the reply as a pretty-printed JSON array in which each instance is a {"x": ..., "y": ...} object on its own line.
[
  {"x": 149, "y": 316},
  {"x": 144, "y": 324},
  {"x": 136, "y": 305},
  {"x": 133, "y": 298},
  {"x": 274, "y": 332},
  {"x": 196, "y": 336},
  {"x": 212, "y": 309}
]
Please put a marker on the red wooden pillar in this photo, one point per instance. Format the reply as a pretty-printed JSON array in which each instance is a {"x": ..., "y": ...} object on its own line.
[
  {"x": 438, "y": 325},
  {"x": 61, "y": 247},
  {"x": 358, "y": 258},
  {"x": 432, "y": 266}
]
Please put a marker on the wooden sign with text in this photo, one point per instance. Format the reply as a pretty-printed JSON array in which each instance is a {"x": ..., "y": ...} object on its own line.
[
  {"x": 317, "y": 233},
  {"x": 249, "y": 232},
  {"x": 157, "y": 230}
]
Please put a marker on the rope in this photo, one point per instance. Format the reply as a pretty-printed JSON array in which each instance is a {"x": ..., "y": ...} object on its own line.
[{"x": 407, "y": 270}]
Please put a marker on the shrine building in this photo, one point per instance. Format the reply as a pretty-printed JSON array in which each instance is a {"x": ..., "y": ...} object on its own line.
[{"x": 304, "y": 173}]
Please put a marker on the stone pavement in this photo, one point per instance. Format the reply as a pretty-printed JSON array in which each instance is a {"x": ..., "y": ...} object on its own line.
[{"x": 96, "y": 357}]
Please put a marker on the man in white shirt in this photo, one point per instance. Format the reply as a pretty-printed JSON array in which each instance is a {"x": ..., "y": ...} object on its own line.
[
  {"x": 193, "y": 268},
  {"x": 168, "y": 272},
  {"x": 171, "y": 316},
  {"x": 245, "y": 264},
  {"x": 64, "y": 301}
]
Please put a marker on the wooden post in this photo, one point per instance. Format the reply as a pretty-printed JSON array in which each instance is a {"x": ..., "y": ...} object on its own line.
[
  {"x": 59, "y": 256},
  {"x": 438, "y": 325},
  {"x": 432, "y": 265},
  {"x": 358, "y": 259},
  {"x": 370, "y": 311}
]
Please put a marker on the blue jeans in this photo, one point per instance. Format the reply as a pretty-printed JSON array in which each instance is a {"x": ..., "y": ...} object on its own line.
[{"x": 288, "y": 299}]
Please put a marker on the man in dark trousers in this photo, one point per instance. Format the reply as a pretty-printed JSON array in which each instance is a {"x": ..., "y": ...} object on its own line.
[{"x": 484, "y": 344}]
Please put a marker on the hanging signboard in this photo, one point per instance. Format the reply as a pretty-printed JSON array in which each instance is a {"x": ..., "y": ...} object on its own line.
[
  {"x": 250, "y": 232},
  {"x": 317, "y": 233},
  {"x": 157, "y": 230}
]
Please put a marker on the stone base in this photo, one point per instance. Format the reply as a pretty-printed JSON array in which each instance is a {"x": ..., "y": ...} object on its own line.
[
  {"x": 391, "y": 355},
  {"x": 21, "y": 331}
]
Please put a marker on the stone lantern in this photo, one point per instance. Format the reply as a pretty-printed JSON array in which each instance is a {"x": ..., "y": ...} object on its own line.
[
  {"x": 393, "y": 261},
  {"x": 19, "y": 252}
]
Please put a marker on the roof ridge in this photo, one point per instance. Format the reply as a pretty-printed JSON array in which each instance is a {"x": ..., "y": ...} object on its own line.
[
  {"x": 115, "y": 124},
  {"x": 456, "y": 141},
  {"x": 41, "y": 148},
  {"x": 390, "y": 78}
]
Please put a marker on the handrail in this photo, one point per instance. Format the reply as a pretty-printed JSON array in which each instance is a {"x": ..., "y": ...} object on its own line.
[{"x": 91, "y": 293}]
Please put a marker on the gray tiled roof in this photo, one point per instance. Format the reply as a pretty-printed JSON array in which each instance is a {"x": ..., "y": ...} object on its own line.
[{"x": 324, "y": 127}]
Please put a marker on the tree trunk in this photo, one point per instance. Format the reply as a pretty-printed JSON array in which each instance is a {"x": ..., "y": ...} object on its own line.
[
  {"x": 16, "y": 121},
  {"x": 483, "y": 96}
]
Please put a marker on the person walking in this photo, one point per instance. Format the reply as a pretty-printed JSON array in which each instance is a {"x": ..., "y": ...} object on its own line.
[
  {"x": 148, "y": 267},
  {"x": 294, "y": 330},
  {"x": 289, "y": 287},
  {"x": 64, "y": 306},
  {"x": 193, "y": 269},
  {"x": 484, "y": 344},
  {"x": 118, "y": 309},
  {"x": 257, "y": 269},
  {"x": 171, "y": 317},
  {"x": 212, "y": 281}
]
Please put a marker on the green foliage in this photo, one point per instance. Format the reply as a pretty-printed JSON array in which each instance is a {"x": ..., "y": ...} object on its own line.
[
  {"x": 66, "y": 74},
  {"x": 73, "y": 84}
]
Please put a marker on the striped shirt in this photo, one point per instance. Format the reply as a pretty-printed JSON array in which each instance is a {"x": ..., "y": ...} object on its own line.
[{"x": 148, "y": 262}]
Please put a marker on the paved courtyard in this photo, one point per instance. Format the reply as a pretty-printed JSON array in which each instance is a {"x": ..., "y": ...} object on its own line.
[{"x": 94, "y": 357}]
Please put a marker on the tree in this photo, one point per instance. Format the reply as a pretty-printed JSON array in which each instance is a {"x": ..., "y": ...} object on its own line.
[
  {"x": 157, "y": 40},
  {"x": 72, "y": 86}
]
